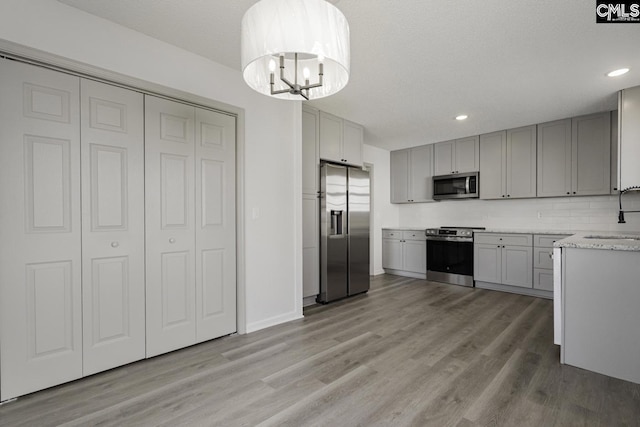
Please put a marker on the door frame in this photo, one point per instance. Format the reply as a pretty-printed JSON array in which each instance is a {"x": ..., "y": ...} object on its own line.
[{"x": 43, "y": 59}]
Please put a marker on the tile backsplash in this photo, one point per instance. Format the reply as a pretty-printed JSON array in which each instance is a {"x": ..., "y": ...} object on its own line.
[{"x": 557, "y": 213}]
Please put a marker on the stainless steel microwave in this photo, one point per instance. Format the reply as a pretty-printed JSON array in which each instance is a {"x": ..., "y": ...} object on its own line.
[{"x": 456, "y": 186}]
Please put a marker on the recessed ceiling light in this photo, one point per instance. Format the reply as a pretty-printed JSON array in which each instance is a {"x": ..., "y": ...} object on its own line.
[
  {"x": 461, "y": 117},
  {"x": 616, "y": 73}
]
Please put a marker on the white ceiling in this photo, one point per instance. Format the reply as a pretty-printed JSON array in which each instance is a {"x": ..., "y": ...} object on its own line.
[{"x": 416, "y": 64}]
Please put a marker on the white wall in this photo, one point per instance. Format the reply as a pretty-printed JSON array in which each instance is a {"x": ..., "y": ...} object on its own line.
[
  {"x": 384, "y": 214},
  {"x": 557, "y": 213},
  {"x": 272, "y": 136}
]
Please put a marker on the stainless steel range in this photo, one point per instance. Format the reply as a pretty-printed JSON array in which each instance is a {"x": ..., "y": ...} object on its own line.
[{"x": 450, "y": 254}]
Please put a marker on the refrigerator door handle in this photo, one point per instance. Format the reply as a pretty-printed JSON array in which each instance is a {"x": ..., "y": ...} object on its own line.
[{"x": 337, "y": 220}]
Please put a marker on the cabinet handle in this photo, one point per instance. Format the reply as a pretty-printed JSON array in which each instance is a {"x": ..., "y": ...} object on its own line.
[
  {"x": 115, "y": 244},
  {"x": 551, "y": 255},
  {"x": 508, "y": 195},
  {"x": 172, "y": 240},
  {"x": 503, "y": 195},
  {"x": 574, "y": 192},
  {"x": 568, "y": 192}
]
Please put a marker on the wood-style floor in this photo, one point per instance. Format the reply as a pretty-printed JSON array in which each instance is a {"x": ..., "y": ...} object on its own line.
[{"x": 410, "y": 352}]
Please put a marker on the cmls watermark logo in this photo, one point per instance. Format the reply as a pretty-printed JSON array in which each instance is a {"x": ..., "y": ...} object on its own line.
[{"x": 621, "y": 12}]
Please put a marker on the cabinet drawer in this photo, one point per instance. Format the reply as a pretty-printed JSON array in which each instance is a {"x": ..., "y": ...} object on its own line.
[
  {"x": 391, "y": 234},
  {"x": 547, "y": 240},
  {"x": 542, "y": 258},
  {"x": 543, "y": 279},
  {"x": 414, "y": 235},
  {"x": 503, "y": 239}
]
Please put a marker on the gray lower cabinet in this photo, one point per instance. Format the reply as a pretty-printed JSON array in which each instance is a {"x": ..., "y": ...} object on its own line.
[
  {"x": 411, "y": 175},
  {"x": 508, "y": 164},
  {"x": 505, "y": 262},
  {"x": 404, "y": 252},
  {"x": 574, "y": 156},
  {"x": 543, "y": 260}
]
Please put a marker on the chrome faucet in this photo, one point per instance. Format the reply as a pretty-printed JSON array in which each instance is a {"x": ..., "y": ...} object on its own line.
[{"x": 621, "y": 212}]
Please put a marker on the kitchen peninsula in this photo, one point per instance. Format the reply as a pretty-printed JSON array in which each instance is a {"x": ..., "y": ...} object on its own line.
[{"x": 599, "y": 303}]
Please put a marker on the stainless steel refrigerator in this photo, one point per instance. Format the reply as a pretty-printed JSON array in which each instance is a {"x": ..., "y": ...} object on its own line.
[{"x": 344, "y": 232}]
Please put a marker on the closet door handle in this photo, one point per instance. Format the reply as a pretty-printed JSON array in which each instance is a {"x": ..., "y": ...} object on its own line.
[
  {"x": 115, "y": 244},
  {"x": 172, "y": 240}
]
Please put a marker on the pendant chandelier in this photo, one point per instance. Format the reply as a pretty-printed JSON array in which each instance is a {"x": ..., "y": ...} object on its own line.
[{"x": 295, "y": 48}]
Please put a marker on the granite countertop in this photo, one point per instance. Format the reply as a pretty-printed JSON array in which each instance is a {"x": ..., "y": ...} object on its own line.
[
  {"x": 526, "y": 231},
  {"x": 405, "y": 228},
  {"x": 606, "y": 240}
]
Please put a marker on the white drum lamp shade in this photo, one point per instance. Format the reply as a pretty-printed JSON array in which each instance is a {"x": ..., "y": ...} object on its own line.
[{"x": 315, "y": 30}]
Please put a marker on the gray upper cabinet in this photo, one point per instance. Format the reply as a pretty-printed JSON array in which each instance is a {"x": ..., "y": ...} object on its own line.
[
  {"x": 341, "y": 141},
  {"x": 399, "y": 176},
  {"x": 629, "y": 146},
  {"x": 591, "y": 151},
  {"x": 614, "y": 153},
  {"x": 508, "y": 164},
  {"x": 460, "y": 155},
  {"x": 574, "y": 156},
  {"x": 554, "y": 158},
  {"x": 493, "y": 174},
  {"x": 352, "y": 142},
  {"x": 521, "y": 162},
  {"x": 411, "y": 173}
]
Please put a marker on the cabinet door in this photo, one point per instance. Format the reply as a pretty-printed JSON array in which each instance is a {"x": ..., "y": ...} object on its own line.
[
  {"x": 310, "y": 132},
  {"x": 444, "y": 157},
  {"x": 421, "y": 173},
  {"x": 310, "y": 254},
  {"x": 487, "y": 263},
  {"x": 614, "y": 152},
  {"x": 414, "y": 255},
  {"x": 352, "y": 143},
  {"x": 399, "y": 176},
  {"x": 629, "y": 149},
  {"x": 40, "y": 258},
  {"x": 169, "y": 224},
  {"x": 392, "y": 254},
  {"x": 521, "y": 162},
  {"x": 543, "y": 279},
  {"x": 493, "y": 174},
  {"x": 113, "y": 278},
  {"x": 554, "y": 158},
  {"x": 330, "y": 137},
  {"x": 215, "y": 224},
  {"x": 517, "y": 266},
  {"x": 467, "y": 155},
  {"x": 591, "y": 146}
]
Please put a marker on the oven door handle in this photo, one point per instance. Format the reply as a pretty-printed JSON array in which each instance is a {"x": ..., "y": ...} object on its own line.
[{"x": 450, "y": 239}]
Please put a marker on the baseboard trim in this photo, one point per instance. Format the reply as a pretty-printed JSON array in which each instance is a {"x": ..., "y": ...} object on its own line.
[
  {"x": 514, "y": 290},
  {"x": 273, "y": 321},
  {"x": 406, "y": 273}
]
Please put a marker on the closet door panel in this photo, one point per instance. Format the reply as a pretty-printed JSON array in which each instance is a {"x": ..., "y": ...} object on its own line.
[
  {"x": 113, "y": 280},
  {"x": 215, "y": 222},
  {"x": 170, "y": 225},
  {"x": 40, "y": 267}
]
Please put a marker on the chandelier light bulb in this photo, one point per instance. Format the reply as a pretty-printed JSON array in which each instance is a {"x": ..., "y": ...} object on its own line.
[
  {"x": 272, "y": 65},
  {"x": 306, "y": 73}
]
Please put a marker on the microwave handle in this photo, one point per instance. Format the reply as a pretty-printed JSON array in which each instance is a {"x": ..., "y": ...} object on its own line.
[{"x": 467, "y": 184}]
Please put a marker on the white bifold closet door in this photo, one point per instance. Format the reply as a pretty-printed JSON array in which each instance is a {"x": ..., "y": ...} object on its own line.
[
  {"x": 113, "y": 287},
  {"x": 190, "y": 224},
  {"x": 215, "y": 224},
  {"x": 40, "y": 254}
]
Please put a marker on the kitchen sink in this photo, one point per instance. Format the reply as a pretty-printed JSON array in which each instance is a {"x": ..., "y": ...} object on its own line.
[{"x": 630, "y": 238}]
